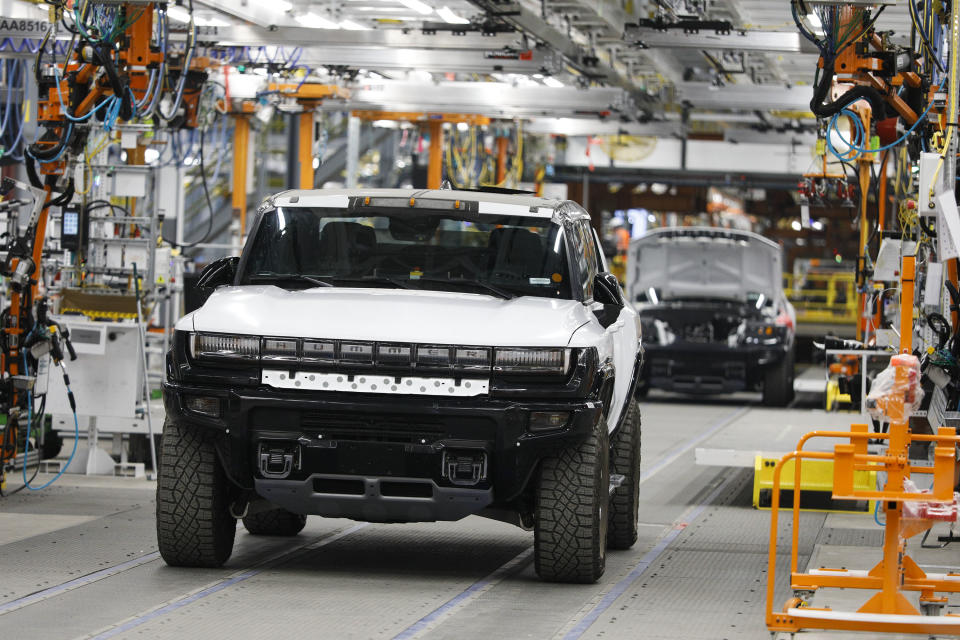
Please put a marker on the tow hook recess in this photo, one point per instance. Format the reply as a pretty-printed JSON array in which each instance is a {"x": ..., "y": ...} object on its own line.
[
  {"x": 277, "y": 459},
  {"x": 464, "y": 467}
]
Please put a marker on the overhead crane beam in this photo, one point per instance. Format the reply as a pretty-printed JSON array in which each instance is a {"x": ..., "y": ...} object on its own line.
[
  {"x": 251, "y": 35},
  {"x": 744, "y": 97},
  {"x": 495, "y": 100},
  {"x": 770, "y": 41},
  {"x": 485, "y": 60}
]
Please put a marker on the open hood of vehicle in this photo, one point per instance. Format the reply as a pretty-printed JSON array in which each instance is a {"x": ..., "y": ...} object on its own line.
[
  {"x": 393, "y": 315},
  {"x": 699, "y": 262}
]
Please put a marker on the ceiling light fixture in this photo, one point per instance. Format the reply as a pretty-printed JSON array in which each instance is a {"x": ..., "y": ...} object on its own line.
[
  {"x": 416, "y": 5},
  {"x": 450, "y": 17},
  {"x": 350, "y": 25},
  {"x": 313, "y": 21},
  {"x": 178, "y": 13},
  {"x": 210, "y": 22}
]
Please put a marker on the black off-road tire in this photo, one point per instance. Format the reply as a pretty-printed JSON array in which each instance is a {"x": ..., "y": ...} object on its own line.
[
  {"x": 275, "y": 522},
  {"x": 570, "y": 519},
  {"x": 194, "y": 525},
  {"x": 625, "y": 499},
  {"x": 778, "y": 382}
]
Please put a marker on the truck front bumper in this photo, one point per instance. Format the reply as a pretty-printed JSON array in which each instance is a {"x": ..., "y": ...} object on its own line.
[
  {"x": 381, "y": 458},
  {"x": 706, "y": 368}
]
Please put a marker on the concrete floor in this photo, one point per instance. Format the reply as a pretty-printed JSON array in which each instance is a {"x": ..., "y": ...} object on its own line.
[{"x": 79, "y": 559}]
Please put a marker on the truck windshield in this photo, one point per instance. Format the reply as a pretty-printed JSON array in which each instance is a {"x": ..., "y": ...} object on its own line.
[{"x": 502, "y": 256}]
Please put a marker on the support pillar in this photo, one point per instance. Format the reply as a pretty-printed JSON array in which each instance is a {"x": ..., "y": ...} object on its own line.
[
  {"x": 353, "y": 150},
  {"x": 241, "y": 147},
  {"x": 501, "y": 159},
  {"x": 293, "y": 143},
  {"x": 435, "y": 166},
  {"x": 305, "y": 149}
]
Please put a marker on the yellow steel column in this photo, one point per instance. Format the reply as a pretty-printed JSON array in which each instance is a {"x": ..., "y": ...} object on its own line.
[
  {"x": 305, "y": 149},
  {"x": 241, "y": 145},
  {"x": 435, "y": 166},
  {"x": 501, "y": 159}
]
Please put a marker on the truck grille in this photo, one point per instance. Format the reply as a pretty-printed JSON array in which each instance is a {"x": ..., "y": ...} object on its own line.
[{"x": 372, "y": 429}]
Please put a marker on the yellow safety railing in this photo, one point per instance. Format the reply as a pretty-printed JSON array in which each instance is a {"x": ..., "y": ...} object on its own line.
[{"x": 823, "y": 297}]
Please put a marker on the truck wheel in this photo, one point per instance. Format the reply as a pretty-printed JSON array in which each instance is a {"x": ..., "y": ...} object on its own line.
[
  {"x": 778, "y": 383},
  {"x": 194, "y": 525},
  {"x": 625, "y": 499},
  {"x": 570, "y": 520},
  {"x": 275, "y": 522}
]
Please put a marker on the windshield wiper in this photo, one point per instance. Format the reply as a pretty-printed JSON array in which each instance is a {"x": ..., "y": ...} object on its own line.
[
  {"x": 296, "y": 277},
  {"x": 495, "y": 290},
  {"x": 400, "y": 284}
]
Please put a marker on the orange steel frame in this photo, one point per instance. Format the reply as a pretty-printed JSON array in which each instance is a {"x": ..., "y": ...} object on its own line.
[
  {"x": 855, "y": 66},
  {"x": 309, "y": 95},
  {"x": 887, "y": 610}
]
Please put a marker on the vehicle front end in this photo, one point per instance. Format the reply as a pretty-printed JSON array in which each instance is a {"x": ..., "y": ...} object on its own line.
[
  {"x": 704, "y": 347},
  {"x": 381, "y": 431}
]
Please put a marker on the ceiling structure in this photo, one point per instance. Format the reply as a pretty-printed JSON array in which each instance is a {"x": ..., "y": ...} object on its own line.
[{"x": 743, "y": 72}]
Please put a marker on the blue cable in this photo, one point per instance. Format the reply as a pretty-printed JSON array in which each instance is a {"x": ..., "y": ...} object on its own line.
[
  {"x": 63, "y": 107},
  {"x": 876, "y": 512},
  {"x": 113, "y": 112},
  {"x": 26, "y": 448},
  {"x": 9, "y": 66},
  {"x": 22, "y": 119},
  {"x": 856, "y": 119}
]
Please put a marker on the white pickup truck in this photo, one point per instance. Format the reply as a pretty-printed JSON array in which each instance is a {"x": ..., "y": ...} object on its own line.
[{"x": 402, "y": 356}]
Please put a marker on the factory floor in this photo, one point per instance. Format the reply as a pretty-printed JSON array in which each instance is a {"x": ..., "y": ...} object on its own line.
[{"x": 79, "y": 559}]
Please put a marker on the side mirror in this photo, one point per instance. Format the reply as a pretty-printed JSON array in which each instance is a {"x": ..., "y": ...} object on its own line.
[
  {"x": 606, "y": 289},
  {"x": 607, "y": 292},
  {"x": 218, "y": 273}
]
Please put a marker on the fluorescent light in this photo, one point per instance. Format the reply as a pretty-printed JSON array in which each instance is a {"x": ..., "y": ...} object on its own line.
[
  {"x": 350, "y": 25},
  {"x": 178, "y": 13},
  {"x": 796, "y": 225},
  {"x": 450, "y": 17},
  {"x": 817, "y": 225},
  {"x": 282, "y": 5},
  {"x": 416, "y": 5},
  {"x": 210, "y": 22},
  {"x": 652, "y": 295},
  {"x": 552, "y": 82},
  {"x": 314, "y": 21},
  {"x": 761, "y": 300}
]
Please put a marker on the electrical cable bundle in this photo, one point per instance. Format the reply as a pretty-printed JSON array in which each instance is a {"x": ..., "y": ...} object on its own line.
[{"x": 831, "y": 45}]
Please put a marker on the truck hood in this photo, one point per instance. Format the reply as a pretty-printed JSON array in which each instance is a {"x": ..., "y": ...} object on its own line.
[
  {"x": 702, "y": 262},
  {"x": 393, "y": 315}
]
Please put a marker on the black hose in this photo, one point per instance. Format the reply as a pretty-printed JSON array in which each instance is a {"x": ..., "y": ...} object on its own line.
[
  {"x": 102, "y": 56},
  {"x": 939, "y": 325},
  {"x": 830, "y": 109},
  {"x": 931, "y": 231},
  {"x": 206, "y": 193}
]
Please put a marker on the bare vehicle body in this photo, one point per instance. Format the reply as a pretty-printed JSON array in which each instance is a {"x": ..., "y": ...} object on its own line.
[{"x": 715, "y": 318}]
